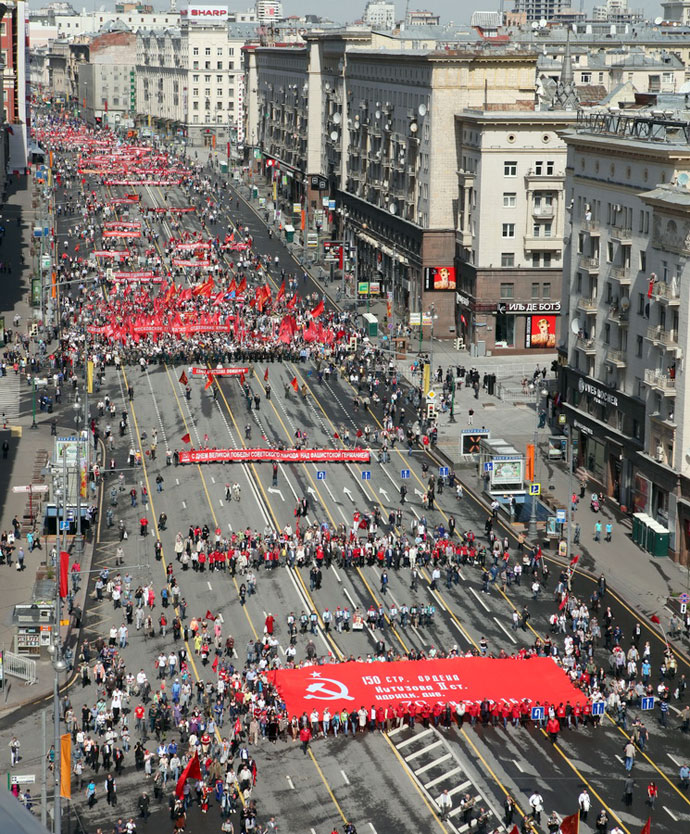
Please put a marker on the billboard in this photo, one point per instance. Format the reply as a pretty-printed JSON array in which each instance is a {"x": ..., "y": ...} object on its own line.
[
  {"x": 214, "y": 15},
  {"x": 471, "y": 440},
  {"x": 507, "y": 472},
  {"x": 540, "y": 332},
  {"x": 439, "y": 278}
]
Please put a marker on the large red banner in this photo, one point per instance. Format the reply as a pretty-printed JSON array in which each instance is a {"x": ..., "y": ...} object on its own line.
[
  {"x": 185, "y": 262},
  {"x": 469, "y": 679},
  {"x": 284, "y": 455},
  {"x": 219, "y": 371},
  {"x": 143, "y": 275}
]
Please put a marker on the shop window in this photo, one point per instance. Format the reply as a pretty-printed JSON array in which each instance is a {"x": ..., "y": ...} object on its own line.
[{"x": 505, "y": 330}]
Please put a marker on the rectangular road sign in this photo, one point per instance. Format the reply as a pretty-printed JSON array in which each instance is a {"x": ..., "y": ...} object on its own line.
[
  {"x": 64, "y": 525},
  {"x": 683, "y": 607},
  {"x": 489, "y": 466},
  {"x": 537, "y": 713},
  {"x": 404, "y": 474},
  {"x": 23, "y": 779},
  {"x": 599, "y": 708},
  {"x": 535, "y": 489},
  {"x": 34, "y": 488},
  {"x": 321, "y": 475},
  {"x": 443, "y": 471},
  {"x": 366, "y": 475},
  {"x": 647, "y": 703},
  {"x": 560, "y": 516}
]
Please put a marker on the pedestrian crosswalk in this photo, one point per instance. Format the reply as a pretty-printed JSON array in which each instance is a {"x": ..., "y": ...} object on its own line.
[
  {"x": 10, "y": 396},
  {"x": 436, "y": 767}
]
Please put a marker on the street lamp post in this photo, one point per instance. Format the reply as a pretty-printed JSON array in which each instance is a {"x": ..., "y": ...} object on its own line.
[{"x": 538, "y": 394}]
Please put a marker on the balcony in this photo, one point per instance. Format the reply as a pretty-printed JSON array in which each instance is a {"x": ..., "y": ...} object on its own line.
[
  {"x": 618, "y": 316},
  {"x": 588, "y": 262},
  {"x": 544, "y": 212},
  {"x": 589, "y": 305},
  {"x": 616, "y": 357},
  {"x": 621, "y": 233},
  {"x": 620, "y": 274},
  {"x": 589, "y": 346},
  {"x": 662, "y": 337},
  {"x": 660, "y": 382},
  {"x": 591, "y": 226},
  {"x": 466, "y": 177},
  {"x": 542, "y": 243},
  {"x": 666, "y": 293},
  {"x": 540, "y": 176}
]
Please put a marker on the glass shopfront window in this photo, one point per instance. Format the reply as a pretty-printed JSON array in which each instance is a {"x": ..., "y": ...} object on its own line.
[
  {"x": 505, "y": 331},
  {"x": 593, "y": 456}
]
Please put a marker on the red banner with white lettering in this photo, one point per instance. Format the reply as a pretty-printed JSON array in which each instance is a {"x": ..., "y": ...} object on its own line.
[
  {"x": 282, "y": 455},
  {"x": 64, "y": 573},
  {"x": 219, "y": 371},
  {"x": 538, "y": 680}
]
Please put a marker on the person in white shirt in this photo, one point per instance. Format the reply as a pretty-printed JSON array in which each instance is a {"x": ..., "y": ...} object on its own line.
[{"x": 445, "y": 803}]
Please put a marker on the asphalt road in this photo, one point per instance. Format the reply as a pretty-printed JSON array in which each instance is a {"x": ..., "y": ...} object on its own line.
[{"x": 364, "y": 779}]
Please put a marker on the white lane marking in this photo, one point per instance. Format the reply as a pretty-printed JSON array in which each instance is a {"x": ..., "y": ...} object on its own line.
[
  {"x": 229, "y": 527},
  {"x": 184, "y": 505},
  {"x": 504, "y": 629},
  {"x": 671, "y": 814},
  {"x": 373, "y": 830},
  {"x": 479, "y": 600},
  {"x": 620, "y": 760},
  {"x": 675, "y": 760},
  {"x": 347, "y": 594},
  {"x": 213, "y": 480},
  {"x": 210, "y": 587},
  {"x": 220, "y": 501},
  {"x": 289, "y": 781},
  {"x": 337, "y": 575},
  {"x": 177, "y": 481},
  {"x": 517, "y": 765},
  {"x": 347, "y": 781}
]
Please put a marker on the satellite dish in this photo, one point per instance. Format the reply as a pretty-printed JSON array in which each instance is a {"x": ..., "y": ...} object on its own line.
[
  {"x": 658, "y": 21},
  {"x": 378, "y": 104},
  {"x": 392, "y": 208},
  {"x": 542, "y": 23},
  {"x": 575, "y": 326},
  {"x": 388, "y": 125},
  {"x": 535, "y": 25},
  {"x": 377, "y": 114},
  {"x": 422, "y": 110},
  {"x": 625, "y": 303},
  {"x": 337, "y": 118},
  {"x": 334, "y": 135},
  {"x": 683, "y": 179}
]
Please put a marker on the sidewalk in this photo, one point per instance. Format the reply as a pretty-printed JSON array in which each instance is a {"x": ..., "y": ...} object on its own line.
[
  {"x": 29, "y": 453},
  {"x": 645, "y": 582}
]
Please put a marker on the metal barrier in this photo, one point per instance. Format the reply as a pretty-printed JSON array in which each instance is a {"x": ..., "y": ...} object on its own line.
[{"x": 20, "y": 667}]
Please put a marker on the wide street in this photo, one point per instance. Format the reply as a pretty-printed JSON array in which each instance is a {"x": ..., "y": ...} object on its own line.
[{"x": 366, "y": 779}]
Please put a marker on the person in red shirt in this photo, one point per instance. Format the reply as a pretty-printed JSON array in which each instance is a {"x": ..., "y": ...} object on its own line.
[
  {"x": 305, "y": 738},
  {"x": 269, "y": 624},
  {"x": 553, "y": 727}
]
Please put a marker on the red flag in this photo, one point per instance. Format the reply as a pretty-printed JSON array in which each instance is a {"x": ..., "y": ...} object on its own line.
[
  {"x": 515, "y": 830},
  {"x": 209, "y": 381},
  {"x": 242, "y": 286},
  {"x": 233, "y": 286},
  {"x": 214, "y": 665},
  {"x": 209, "y": 616},
  {"x": 291, "y": 303},
  {"x": 183, "y": 378},
  {"x": 316, "y": 312},
  {"x": 571, "y": 824},
  {"x": 64, "y": 573},
  {"x": 281, "y": 293},
  {"x": 186, "y": 438},
  {"x": 294, "y": 383},
  {"x": 575, "y": 560},
  {"x": 241, "y": 379},
  {"x": 655, "y": 619},
  {"x": 266, "y": 375},
  {"x": 647, "y": 827},
  {"x": 563, "y": 603},
  {"x": 192, "y": 771}
]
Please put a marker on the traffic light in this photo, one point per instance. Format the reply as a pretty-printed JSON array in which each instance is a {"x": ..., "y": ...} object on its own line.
[{"x": 430, "y": 411}]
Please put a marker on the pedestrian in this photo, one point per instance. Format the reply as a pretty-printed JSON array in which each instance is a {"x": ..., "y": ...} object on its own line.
[
  {"x": 652, "y": 793},
  {"x": 584, "y": 802},
  {"x": 14, "y": 745},
  {"x": 628, "y": 788},
  {"x": 629, "y": 753},
  {"x": 597, "y": 531},
  {"x": 536, "y": 803},
  {"x": 445, "y": 804},
  {"x": 305, "y": 738},
  {"x": 602, "y": 822},
  {"x": 91, "y": 793}
]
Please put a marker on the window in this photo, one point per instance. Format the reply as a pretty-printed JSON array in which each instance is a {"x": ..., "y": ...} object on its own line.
[
  {"x": 607, "y": 334},
  {"x": 207, "y": 51},
  {"x": 219, "y": 79},
  {"x": 641, "y": 304},
  {"x": 546, "y": 290},
  {"x": 510, "y": 169},
  {"x": 547, "y": 227},
  {"x": 195, "y": 65},
  {"x": 535, "y": 289},
  {"x": 643, "y": 261},
  {"x": 219, "y": 51},
  {"x": 505, "y": 330},
  {"x": 609, "y": 252},
  {"x": 509, "y": 230},
  {"x": 195, "y": 51},
  {"x": 536, "y": 230},
  {"x": 547, "y": 259},
  {"x": 207, "y": 79},
  {"x": 195, "y": 78},
  {"x": 509, "y": 200},
  {"x": 231, "y": 50},
  {"x": 536, "y": 263},
  {"x": 507, "y": 290},
  {"x": 207, "y": 91},
  {"x": 219, "y": 65},
  {"x": 219, "y": 93},
  {"x": 638, "y": 346},
  {"x": 507, "y": 259},
  {"x": 195, "y": 91}
]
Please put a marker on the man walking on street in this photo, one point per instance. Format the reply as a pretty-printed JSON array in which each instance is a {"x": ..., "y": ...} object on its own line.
[{"x": 15, "y": 744}]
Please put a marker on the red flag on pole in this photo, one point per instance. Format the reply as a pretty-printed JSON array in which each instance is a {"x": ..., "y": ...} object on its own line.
[
  {"x": 241, "y": 379},
  {"x": 294, "y": 383},
  {"x": 266, "y": 375},
  {"x": 209, "y": 381},
  {"x": 209, "y": 616},
  {"x": 655, "y": 619},
  {"x": 214, "y": 665},
  {"x": 575, "y": 560},
  {"x": 183, "y": 378},
  {"x": 281, "y": 293},
  {"x": 186, "y": 438},
  {"x": 316, "y": 312},
  {"x": 571, "y": 824},
  {"x": 515, "y": 830},
  {"x": 647, "y": 827},
  {"x": 64, "y": 573},
  {"x": 192, "y": 771}
]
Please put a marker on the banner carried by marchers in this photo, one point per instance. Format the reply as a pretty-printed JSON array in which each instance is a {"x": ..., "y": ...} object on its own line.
[
  {"x": 280, "y": 455},
  {"x": 468, "y": 679},
  {"x": 219, "y": 371}
]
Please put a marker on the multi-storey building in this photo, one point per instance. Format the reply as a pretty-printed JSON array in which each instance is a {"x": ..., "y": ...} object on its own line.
[
  {"x": 188, "y": 79},
  {"x": 106, "y": 81},
  {"x": 623, "y": 383},
  {"x": 380, "y": 14},
  {"x": 14, "y": 62}
]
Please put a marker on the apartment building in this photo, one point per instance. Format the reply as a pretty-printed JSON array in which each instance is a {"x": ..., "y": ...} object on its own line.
[
  {"x": 14, "y": 49},
  {"x": 107, "y": 89},
  {"x": 188, "y": 78},
  {"x": 623, "y": 383}
]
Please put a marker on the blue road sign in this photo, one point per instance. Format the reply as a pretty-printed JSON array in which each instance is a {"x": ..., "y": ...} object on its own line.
[
  {"x": 684, "y": 598},
  {"x": 537, "y": 713},
  {"x": 443, "y": 471},
  {"x": 599, "y": 708},
  {"x": 489, "y": 466},
  {"x": 70, "y": 515},
  {"x": 647, "y": 703},
  {"x": 560, "y": 516},
  {"x": 366, "y": 475},
  {"x": 321, "y": 475},
  {"x": 405, "y": 473},
  {"x": 64, "y": 525}
]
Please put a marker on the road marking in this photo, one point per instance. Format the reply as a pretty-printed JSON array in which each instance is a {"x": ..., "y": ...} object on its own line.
[
  {"x": 177, "y": 481},
  {"x": 347, "y": 781},
  {"x": 213, "y": 480},
  {"x": 373, "y": 830},
  {"x": 184, "y": 505},
  {"x": 517, "y": 765},
  {"x": 671, "y": 814},
  {"x": 220, "y": 501},
  {"x": 504, "y": 629},
  {"x": 347, "y": 594},
  {"x": 292, "y": 787},
  {"x": 620, "y": 760},
  {"x": 675, "y": 760},
  {"x": 337, "y": 575},
  {"x": 210, "y": 587},
  {"x": 229, "y": 527},
  {"x": 480, "y": 600}
]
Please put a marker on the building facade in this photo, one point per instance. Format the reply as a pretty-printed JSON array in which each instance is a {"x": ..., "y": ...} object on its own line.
[
  {"x": 623, "y": 382},
  {"x": 107, "y": 80},
  {"x": 14, "y": 47}
]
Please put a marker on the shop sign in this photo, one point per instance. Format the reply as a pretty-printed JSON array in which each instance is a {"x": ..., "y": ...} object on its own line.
[
  {"x": 517, "y": 307},
  {"x": 601, "y": 395},
  {"x": 462, "y": 299},
  {"x": 584, "y": 429}
]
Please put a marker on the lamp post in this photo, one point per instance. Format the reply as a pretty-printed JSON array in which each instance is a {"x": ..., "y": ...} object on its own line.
[{"x": 538, "y": 394}]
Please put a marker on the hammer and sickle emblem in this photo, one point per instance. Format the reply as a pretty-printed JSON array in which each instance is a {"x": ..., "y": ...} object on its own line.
[{"x": 320, "y": 690}]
